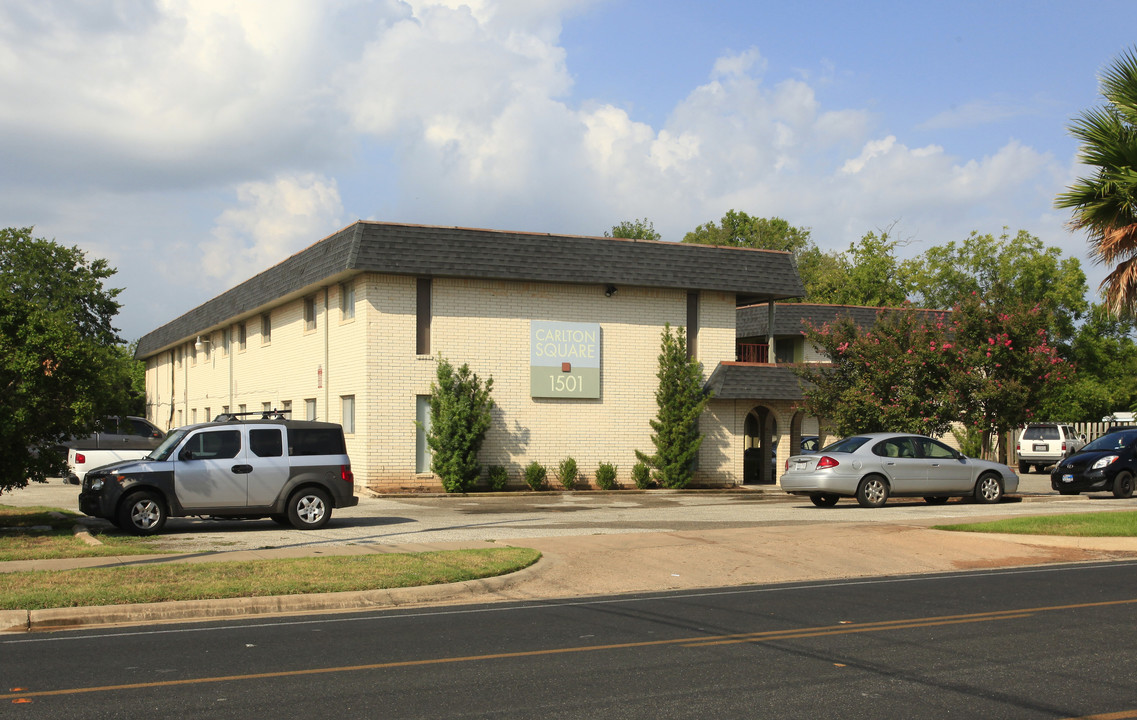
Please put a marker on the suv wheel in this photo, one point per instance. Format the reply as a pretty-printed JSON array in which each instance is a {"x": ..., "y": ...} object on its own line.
[
  {"x": 1024, "y": 467},
  {"x": 309, "y": 508},
  {"x": 142, "y": 513}
]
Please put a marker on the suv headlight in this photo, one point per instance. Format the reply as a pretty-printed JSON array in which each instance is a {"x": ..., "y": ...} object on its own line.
[
  {"x": 1104, "y": 461},
  {"x": 97, "y": 484}
]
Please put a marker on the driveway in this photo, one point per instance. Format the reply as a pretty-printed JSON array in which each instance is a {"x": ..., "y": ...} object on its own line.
[{"x": 421, "y": 519}]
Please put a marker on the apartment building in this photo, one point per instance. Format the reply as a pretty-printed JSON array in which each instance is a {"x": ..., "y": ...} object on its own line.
[{"x": 350, "y": 330}]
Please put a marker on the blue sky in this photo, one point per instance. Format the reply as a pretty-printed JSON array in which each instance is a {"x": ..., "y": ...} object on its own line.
[{"x": 194, "y": 143}]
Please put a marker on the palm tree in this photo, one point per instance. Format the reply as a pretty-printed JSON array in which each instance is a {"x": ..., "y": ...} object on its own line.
[{"x": 1105, "y": 203}]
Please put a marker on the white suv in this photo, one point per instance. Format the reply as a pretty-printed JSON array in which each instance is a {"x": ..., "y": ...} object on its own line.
[{"x": 1044, "y": 444}]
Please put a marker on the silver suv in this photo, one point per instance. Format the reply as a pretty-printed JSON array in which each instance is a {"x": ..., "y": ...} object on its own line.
[
  {"x": 292, "y": 471},
  {"x": 1044, "y": 444}
]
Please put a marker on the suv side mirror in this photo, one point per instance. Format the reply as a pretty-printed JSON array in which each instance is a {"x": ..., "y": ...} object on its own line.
[{"x": 185, "y": 454}]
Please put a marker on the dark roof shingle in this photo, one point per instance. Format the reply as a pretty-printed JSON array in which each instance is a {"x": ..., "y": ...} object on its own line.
[{"x": 426, "y": 251}]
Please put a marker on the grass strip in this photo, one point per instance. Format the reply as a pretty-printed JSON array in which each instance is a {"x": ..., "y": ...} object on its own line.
[
  {"x": 161, "y": 582},
  {"x": 43, "y": 533},
  {"x": 1095, "y": 524}
]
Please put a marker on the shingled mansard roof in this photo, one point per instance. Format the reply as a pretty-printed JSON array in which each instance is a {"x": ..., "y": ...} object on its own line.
[
  {"x": 450, "y": 252},
  {"x": 736, "y": 381},
  {"x": 790, "y": 318}
]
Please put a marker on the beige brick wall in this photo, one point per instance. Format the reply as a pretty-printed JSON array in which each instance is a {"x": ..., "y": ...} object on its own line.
[{"x": 484, "y": 324}]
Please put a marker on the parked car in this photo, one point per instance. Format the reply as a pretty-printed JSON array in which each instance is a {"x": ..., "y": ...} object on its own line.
[
  {"x": 810, "y": 444},
  {"x": 1044, "y": 444},
  {"x": 875, "y": 466},
  {"x": 292, "y": 471},
  {"x": 118, "y": 438},
  {"x": 1108, "y": 463}
]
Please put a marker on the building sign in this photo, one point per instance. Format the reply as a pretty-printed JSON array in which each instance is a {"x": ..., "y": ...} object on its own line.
[{"x": 564, "y": 359}]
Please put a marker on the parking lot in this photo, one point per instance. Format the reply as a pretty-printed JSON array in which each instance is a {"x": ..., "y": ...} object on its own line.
[{"x": 414, "y": 519}]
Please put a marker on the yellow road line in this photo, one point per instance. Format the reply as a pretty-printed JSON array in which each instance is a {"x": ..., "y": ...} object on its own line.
[{"x": 21, "y": 694}]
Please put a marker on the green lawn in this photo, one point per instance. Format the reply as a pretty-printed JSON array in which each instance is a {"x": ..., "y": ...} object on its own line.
[
  {"x": 41, "y": 533},
  {"x": 1096, "y": 524},
  {"x": 200, "y": 581}
]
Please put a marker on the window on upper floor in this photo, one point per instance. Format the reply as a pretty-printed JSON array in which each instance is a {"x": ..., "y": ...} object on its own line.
[
  {"x": 422, "y": 312},
  {"x": 266, "y": 328},
  {"x": 310, "y": 312},
  {"x": 347, "y": 300}
]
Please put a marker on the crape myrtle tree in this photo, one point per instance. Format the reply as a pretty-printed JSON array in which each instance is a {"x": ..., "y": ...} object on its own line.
[
  {"x": 984, "y": 366},
  {"x": 460, "y": 416},
  {"x": 1006, "y": 364},
  {"x": 896, "y": 377},
  {"x": 681, "y": 400},
  {"x": 62, "y": 366}
]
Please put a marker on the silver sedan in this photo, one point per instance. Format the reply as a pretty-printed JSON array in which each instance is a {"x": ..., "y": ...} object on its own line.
[{"x": 873, "y": 466}]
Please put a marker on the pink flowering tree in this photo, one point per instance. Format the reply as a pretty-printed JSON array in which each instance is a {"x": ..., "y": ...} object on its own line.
[
  {"x": 896, "y": 377},
  {"x": 984, "y": 366},
  {"x": 1005, "y": 366}
]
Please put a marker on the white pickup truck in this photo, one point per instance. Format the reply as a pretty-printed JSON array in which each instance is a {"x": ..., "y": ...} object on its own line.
[{"x": 119, "y": 438}]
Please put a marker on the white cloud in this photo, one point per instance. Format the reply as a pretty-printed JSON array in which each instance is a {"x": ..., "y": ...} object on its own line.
[
  {"x": 264, "y": 120},
  {"x": 272, "y": 221}
]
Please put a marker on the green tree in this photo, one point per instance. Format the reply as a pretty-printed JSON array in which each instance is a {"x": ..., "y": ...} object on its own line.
[
  {"x": 1000, "y": 270},
  {"x": 681, "y": 400},
  {"x": 460, "y": 416},
  {"x": 634, "y": 229},
  {"x": 1104, "y": 204},
  {"x": 1104, "y": 353},
  {"x": 868, "y": 273},
  {"x": 738, "y": 229},
  {"x": 61, "y": 365}
]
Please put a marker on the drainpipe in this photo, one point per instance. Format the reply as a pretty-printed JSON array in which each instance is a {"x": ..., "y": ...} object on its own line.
[{"x": 327, "y": 359}]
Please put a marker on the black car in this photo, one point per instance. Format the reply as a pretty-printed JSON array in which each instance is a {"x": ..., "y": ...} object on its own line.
[{"x": 1108, "y": 463}]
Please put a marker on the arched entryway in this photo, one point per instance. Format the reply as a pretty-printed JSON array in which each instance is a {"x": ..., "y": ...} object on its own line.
[{"x": 760, "y": 447}]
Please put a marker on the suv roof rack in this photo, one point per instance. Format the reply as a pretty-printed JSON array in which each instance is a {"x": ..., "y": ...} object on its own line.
[{"x": 260, "y": 414}]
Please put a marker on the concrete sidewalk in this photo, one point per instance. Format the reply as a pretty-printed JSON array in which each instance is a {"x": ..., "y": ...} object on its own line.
[{"x": 592, "y": 565}]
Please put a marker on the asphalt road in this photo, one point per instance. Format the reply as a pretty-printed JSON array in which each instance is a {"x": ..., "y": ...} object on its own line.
[{"x": 1044, "y": 642}]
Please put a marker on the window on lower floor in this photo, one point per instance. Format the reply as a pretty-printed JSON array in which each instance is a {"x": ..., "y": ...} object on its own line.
[
  {"x": 348, "y": 416},
  {"x": 310, "y": 409},
  {"x": 422, "y": 449}
]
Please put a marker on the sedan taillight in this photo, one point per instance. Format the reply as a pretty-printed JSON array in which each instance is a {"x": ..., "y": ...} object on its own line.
[{"x": 826, "y": 462}]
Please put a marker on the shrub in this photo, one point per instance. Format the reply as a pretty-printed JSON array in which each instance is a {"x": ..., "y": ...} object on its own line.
[
  {"x": 681, "y": 400},
  {"x": 567, "y": 473},
  {"x": 499, "y": 478},
  {"x": 641, "y": 476},
  {"x": 606, "y": 476},
  {"x": 460, "y": 407},
  {"x": 536, "y": 476}
]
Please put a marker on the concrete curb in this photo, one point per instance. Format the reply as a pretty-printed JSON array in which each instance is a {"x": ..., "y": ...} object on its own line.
[{"x": 231, "y": 608}]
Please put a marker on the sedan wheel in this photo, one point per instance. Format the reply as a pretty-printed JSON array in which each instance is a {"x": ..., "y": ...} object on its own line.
[
  {"x": 822, "y": 500},
  {"x": 989, "y": 489},
  {"x": 1123, "y": 485},
  {"x": 872, "y": 492}
]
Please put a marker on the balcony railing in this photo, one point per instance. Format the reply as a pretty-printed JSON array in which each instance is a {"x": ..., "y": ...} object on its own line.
[{"x": 752, "y": 352}]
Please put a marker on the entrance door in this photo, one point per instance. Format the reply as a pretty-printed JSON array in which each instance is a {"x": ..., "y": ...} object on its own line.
[{"x": 760, "y": 447}]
